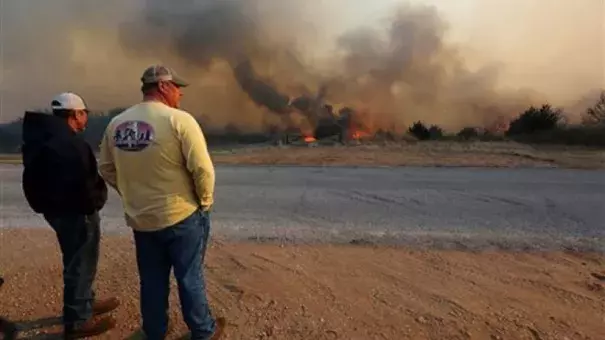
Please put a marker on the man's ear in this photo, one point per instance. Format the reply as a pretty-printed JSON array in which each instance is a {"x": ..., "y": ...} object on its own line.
[{"x": 162, "y": 86}]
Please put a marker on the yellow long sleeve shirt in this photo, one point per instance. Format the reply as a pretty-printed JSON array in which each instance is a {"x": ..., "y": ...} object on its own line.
[{"x": 157, "y": 159}]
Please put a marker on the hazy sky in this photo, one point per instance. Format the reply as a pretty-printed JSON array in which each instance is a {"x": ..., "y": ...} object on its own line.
[
  {"x": 536, "y": 40},
  {"x": 556, "y": 47}
]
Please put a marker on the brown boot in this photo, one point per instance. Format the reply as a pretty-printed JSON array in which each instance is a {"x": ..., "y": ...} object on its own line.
[
  {"x": 105, "y": 306},
  {"x": 92, "y": 327},
  {"x": 220, "y": 328},
  {"x": 8, "y": 330},
  {"x": 218, "y": 332}
]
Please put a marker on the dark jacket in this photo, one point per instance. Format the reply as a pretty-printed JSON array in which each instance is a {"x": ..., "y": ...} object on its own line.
[{"x": 60, "y": 174}]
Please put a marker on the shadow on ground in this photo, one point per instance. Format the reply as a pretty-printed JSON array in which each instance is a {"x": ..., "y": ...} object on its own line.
[{"x": 35, "y": 330}]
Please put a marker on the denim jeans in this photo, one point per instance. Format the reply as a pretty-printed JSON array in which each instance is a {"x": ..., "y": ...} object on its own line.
[
  {"x": 181, "y": 247},
  {"x": 79, "y": 237}
]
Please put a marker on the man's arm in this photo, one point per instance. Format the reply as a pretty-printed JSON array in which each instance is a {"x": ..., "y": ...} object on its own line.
[
  {"x": 107, "y": 167},
  {"x": 93, "y": 186},
  {"x": 197, "y": 158}
]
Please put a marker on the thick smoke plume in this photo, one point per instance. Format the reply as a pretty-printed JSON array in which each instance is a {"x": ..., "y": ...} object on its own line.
[
  {"x": 254, "y": 62},
  {"x": 259, "y": 91},
  {"x": 234, "y": 33},
  {"x": 407, "y": 74}
]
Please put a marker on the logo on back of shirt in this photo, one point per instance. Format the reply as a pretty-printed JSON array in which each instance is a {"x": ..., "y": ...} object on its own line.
[{"x": 133, "y": 135}]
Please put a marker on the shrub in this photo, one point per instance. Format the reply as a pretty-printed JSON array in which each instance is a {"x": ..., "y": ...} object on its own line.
[
  {"x": 385, "y": 135},
  {"x": 590, "y": 136},
  {"x": 468, "y": 133},
  {"x": 488, "y": 136},
  {"x": 596, "y": 114},
  {"x": 534, "y": 120},
  {"x": 420, "y": 131},
  {"x": 435, "y": 132}
]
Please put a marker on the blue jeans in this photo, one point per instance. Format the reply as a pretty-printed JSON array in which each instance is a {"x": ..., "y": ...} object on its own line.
[
  {"x": 183, "y": 247},
  {"x": 79, "y": 237}
]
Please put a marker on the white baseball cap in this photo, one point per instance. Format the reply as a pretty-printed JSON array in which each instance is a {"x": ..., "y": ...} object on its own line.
[{"x": 68, "y": 101}]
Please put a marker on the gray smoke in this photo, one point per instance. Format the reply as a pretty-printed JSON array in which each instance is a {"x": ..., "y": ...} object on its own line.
[
  {"x": 198, "y": 31},
  {"x": 247, "y": 60},
  {"x": 259, "y": 91},
  {"x": 408, "y": 74},
  {"x": 203, "y": 31}
]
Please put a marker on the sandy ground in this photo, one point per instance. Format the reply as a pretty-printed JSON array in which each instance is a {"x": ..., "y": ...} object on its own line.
[
  {"x": 335, "y": 292},
  {"x": 475, "y": 154}
]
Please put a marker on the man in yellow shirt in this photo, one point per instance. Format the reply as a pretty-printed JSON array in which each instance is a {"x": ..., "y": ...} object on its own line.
[{"x": 155, "y": 156}]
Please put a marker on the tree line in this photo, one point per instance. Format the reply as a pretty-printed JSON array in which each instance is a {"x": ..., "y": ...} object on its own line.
[{"x": 544, "y": 124}]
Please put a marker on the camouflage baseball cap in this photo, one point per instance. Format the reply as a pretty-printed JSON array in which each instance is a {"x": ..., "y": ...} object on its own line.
[{"x": 156, "y": 73}]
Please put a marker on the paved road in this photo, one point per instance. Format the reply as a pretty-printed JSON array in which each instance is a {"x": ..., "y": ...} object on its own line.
[{"x": 444, "y": 207}]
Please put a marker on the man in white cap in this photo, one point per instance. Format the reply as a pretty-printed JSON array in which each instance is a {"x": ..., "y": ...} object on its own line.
[
  {"x": 155, "y": 156},
  {"x": 61, "y": 181}
]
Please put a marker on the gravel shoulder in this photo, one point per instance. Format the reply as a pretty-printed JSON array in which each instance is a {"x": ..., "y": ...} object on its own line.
[
  {"x": 335, "y": 292},
  {"x": 432, "y": 208}
]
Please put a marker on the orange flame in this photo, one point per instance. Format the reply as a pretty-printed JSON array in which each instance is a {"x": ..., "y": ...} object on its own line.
[
  {"x": 360, "y": 126},
  {"x": 359, "y": 134},
  {"x": 309, "y": 139}
]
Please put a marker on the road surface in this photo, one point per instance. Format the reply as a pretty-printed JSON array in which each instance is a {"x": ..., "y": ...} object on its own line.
[{"x": 464, "y": 208}]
